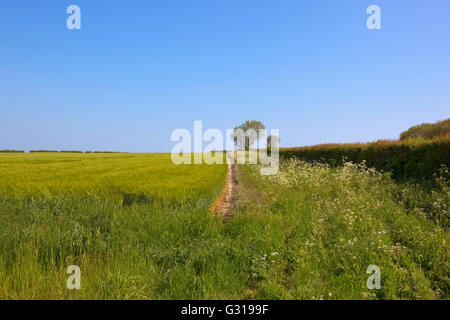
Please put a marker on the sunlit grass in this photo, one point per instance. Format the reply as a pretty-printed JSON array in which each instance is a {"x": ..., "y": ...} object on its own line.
[
  {"x": 312, "y": 231},
  {"x": 105, "y": 175},
  {"x": 126, "y": 219},
  {"x": 139, "y": 227}
]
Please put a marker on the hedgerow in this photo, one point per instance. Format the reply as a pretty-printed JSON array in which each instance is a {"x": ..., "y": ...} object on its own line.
[{"x": 418, "y": 159}]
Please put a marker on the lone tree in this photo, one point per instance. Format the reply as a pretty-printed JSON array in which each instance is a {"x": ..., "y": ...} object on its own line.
[{"x": 245, "y": 135}]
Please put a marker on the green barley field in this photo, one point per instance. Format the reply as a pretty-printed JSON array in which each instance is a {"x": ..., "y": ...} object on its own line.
[
  {"x": 136, "y": 224},
  {"x": 139, "y": 227}
]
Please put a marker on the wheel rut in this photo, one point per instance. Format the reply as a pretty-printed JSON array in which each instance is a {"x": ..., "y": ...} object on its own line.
[{"x": 227, "y": 199}]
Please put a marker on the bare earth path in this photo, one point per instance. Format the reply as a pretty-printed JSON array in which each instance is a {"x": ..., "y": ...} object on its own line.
[{"x": 224, "y": 204}]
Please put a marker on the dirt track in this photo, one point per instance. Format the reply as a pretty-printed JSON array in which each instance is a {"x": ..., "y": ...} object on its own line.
[{"x": 224, "y": 204}]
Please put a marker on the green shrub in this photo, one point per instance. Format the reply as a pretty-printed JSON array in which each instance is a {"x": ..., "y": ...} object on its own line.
[{"x": 427, "y": 130}]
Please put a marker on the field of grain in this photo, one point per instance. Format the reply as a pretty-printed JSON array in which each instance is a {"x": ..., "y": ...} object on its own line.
[
  {"x": 130, "y": 221},
  {"x": 139, "y": 227}
]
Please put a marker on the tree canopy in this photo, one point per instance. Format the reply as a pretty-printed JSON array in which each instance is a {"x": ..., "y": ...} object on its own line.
[
  {"x": 245, "y": 135},
  {"x": 427, "y": 130}
]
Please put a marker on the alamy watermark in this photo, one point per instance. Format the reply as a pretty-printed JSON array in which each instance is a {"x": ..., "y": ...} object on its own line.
[
  {"x": 240, "y": 146},
  {"x": 74, "y": 20},
  {"x": 74, "y": 280},
  {"x": 374, "y": 281},
  {"x": 374, "y": 20}
]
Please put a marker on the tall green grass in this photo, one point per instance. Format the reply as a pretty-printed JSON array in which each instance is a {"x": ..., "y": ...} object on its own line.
[
  {"x": 133, "y": 223},
  {"x": 312, "y": 231},
  {"x": 140, "y": 228}
]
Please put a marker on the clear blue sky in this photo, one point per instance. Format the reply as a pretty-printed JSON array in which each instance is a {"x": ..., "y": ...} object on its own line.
[{"x": 137, "y": 70}]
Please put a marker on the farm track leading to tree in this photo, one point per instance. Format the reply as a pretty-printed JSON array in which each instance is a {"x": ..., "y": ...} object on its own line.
[
  {"x": 140, "y": 227},
  {"x": 227, "y": 199}
]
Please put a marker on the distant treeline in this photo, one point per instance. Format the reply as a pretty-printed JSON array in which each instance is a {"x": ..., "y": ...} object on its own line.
[
  {"x": 104, "y": 152},
  {"x": 12, "y": 151},
  {"x": 72, "y": 151},
  {"x": 427, "y": 130},
  {"x": 415, "y": 158}
]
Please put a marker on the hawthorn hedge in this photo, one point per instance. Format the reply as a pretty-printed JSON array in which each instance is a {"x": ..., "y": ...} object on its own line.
[{"x": 417, "y": 159}]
